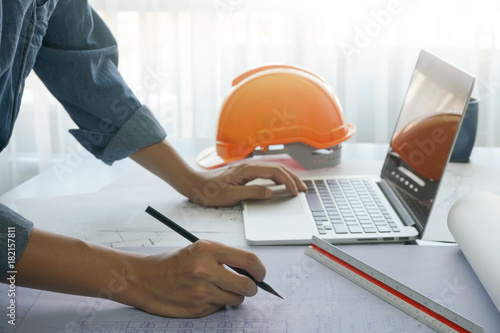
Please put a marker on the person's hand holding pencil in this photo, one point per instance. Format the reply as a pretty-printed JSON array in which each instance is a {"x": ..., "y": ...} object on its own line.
[
  {"x": 193, "y": 282},
  {"x": 185, "y": 283},
  {"x": 192, "y": 238}
]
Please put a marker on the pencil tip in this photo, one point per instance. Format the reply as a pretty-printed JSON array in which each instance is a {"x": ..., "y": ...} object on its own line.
[
  {"x": 276, "y": 294},
  {"x": 269, "y": 289}
]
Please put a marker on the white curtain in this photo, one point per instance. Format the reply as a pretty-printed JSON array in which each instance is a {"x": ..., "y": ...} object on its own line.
[{"x": 180, "y": 56}]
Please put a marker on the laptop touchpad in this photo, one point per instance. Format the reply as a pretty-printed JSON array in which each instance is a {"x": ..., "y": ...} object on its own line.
[{"x": 276, "y": 206}]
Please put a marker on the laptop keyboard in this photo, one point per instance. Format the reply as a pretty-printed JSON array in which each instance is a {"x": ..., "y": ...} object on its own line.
[{"x": 348, "y": 206}]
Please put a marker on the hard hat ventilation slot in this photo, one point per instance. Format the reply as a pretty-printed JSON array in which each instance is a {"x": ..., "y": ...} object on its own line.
[
  {"x": 323, "y": 152},
  {"x": 308, "y": 157}
]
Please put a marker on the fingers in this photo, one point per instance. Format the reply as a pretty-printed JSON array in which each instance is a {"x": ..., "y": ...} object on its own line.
[
  {"x": 195, "y": 281},
  {"x": 275, "y": 172},
  {"x": 239, "y": 193},
  {"x": 225, "y": 187},
  {"x": 230, "y": 287},
  {"x": 227, "y": 278},
  {"x": 242, "y": 259}
]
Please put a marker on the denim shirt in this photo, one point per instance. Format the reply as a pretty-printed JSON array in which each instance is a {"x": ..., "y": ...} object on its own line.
[{"x": 75, "y": 55}]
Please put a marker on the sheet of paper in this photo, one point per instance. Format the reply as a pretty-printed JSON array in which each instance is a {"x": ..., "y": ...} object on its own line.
[
  {"x": 459, "y": 179},
  {"x": 316, "y": 299},
  {"x": 120, "y": 206}
]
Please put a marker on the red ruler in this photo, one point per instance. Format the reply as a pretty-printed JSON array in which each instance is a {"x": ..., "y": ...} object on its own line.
[{"x": 422, "y": 308}]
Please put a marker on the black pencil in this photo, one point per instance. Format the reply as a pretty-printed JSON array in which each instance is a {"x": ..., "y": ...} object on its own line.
[{"x": 192, "y": 238}]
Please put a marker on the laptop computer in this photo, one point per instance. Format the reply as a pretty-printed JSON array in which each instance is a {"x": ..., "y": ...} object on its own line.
[{"x": 393, "y": 207}]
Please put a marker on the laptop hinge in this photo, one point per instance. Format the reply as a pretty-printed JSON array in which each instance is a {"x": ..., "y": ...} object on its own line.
[{"x": 396, "y": 204}]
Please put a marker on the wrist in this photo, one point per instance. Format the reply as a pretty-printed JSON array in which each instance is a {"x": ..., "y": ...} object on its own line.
[
  {"x": 164, "y": 161},
  {"x": 201, "y": 190},
  {"x": 125, "y": 284},
  {"x": 190, "y": 184},
  {"x": 146, "y": 284}
]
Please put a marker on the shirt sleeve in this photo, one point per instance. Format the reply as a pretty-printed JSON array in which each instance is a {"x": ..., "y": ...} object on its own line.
[
  {"x": 12, "y": 224},
  {"x": 78, "y": 63}
]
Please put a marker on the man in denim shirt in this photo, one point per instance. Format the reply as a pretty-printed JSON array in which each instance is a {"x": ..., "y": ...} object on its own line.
[{"x": 74, "y": 54}]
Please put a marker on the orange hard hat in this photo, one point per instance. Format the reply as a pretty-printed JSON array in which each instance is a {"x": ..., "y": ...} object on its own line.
[
  {"x": 425, "y": 143},
  {"x": 277, "y": 105}
]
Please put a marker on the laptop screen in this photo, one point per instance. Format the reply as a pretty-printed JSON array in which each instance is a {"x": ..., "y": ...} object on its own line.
[{"x": 425, "y": 133}]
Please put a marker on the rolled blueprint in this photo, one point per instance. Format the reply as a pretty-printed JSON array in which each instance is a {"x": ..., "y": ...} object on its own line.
[{"x": 474, "y": 221}]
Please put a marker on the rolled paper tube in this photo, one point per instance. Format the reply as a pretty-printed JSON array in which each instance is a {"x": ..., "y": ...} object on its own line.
[{"x": 474, "y": 221}]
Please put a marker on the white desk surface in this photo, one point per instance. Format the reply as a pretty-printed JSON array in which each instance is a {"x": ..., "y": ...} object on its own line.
[
  {"x": 85, "y": 176},
  {"x": 82, "y": 173}
]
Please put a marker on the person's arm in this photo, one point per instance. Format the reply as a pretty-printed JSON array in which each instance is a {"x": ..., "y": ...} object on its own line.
[
  {"x": 78, "y": 63},
  {"x": 221, "y": 187},
  {"x": 190, "y": 282},
  {"x": 14, "y": 235}
]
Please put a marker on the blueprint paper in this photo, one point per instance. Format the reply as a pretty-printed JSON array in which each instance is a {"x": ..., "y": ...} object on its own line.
[
  {"x": 120, "y": 206},
  {"x": 459, "y": 179},
  {"x": 316, "y": 298},
  {"x": 124, "y": 210}
]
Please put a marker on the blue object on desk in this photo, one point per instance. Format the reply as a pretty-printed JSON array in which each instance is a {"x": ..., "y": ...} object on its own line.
[{"x": 467, "y": 134}]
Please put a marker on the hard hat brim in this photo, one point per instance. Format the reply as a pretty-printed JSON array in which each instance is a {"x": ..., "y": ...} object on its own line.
[{"x": 209, "y": 159}]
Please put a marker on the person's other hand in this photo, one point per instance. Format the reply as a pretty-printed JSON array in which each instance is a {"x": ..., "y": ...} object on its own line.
[
  {"x": 193, "y": 282},
  {"x": 227, "y": 186},
  {"x": 220, "y": 187}
]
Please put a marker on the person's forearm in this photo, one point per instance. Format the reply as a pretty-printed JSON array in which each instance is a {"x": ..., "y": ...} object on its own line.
[
  {"x": 163, "y": 160},
  {"x": 68, "y": 265},
  {"x": 219, "y": 187},
  {"x": 189, "y": 282}
]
